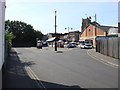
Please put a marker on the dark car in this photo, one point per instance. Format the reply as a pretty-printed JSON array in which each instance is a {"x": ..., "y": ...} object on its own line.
[
  {"x": 71, "y": 45},
  {"x": 44, "y": 44}
]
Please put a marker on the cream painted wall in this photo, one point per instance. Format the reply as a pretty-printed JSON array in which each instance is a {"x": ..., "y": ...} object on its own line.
[
  {"x": 2, "y": 25},
  {"x": 2, "y": 28}
]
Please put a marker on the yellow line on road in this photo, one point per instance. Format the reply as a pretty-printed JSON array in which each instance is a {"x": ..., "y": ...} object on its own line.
[
  {"x": 32, "y": 75},
  {"x": 37, "y": 79}
]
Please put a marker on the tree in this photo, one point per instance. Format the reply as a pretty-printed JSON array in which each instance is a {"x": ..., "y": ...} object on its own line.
[
  {"x": 24, "y": 33},
  {"x": 38, "y": 34}
]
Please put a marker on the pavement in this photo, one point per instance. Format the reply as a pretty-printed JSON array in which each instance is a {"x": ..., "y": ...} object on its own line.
[
  {"x": 103, "y": 58},
  {"x": 16, "y": 76}
]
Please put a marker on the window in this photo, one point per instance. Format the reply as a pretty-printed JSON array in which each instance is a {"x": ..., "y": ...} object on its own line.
[{"x": 89, "y": 30}]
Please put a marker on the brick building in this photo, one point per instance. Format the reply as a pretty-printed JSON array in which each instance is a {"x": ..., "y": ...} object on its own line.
[
  {"x": 85, "y": 22},
  {"x": 71, "y": 36},
  {"x": 74, "y": 36},
  {"x": 94, "y": 30}
]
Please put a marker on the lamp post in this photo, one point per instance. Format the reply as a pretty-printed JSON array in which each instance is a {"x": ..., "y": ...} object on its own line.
[
  {"x": 68, "y": 33},
  {"x": 55, "y": 33}
]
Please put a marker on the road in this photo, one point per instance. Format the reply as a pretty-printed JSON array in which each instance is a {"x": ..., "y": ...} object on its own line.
[{"x": 70, "y": 68}]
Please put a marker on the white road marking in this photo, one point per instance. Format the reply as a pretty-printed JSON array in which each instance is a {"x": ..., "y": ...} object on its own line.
[{"x": 102, "y": 60}]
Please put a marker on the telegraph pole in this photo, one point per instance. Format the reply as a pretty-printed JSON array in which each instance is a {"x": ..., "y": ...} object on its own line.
[
  {"x": 55, "y": 33},
  {"x": 95, "y": 18},
  {"x": 95, "y": 29},
  {"x": 68, "y": 33},
  {"x": 95, "y": 24}
]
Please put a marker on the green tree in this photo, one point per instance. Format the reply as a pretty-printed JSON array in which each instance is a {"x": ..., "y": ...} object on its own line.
[
  {"x": 23, "y": 32},
  {"x": 38, "y": 34}
]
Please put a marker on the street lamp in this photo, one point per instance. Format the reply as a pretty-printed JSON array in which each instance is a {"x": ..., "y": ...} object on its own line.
[{"x": 68, "y": 33}]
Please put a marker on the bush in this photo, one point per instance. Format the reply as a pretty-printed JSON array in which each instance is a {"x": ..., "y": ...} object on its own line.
[{"x": 8, "y": 38}]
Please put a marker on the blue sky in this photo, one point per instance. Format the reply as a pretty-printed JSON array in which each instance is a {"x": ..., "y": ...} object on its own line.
[{"x": 69, "y": 14}]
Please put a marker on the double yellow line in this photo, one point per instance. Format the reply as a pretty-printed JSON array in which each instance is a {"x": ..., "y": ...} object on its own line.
[{"x": 34, "y": 77}]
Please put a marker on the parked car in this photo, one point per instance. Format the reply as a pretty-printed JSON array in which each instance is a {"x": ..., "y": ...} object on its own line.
[
  {"x": 86, "y": 45},
  {"x": 71, "y": 45},
  {"x": 39, "y": 44},
  {"x": 44, "y": 44}
]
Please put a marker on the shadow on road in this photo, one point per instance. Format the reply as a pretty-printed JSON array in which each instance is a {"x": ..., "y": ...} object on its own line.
[
  {"x": 15, "y": 75},
  {"x": 55, "y": 85}
]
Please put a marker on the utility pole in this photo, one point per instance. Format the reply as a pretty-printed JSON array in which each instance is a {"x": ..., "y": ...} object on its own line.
[
  {"x": 95, "y": 23},
  {"x": 68, "y": 33},
  {"x": 95, "y": 18},
  {"x": 55, "y": 33},
  {"x": 119, "y": 31},
  {"x": 95, "y": 29}
]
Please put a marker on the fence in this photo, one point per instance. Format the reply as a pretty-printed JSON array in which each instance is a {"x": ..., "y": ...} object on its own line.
[{"x": 109, "y": 47}]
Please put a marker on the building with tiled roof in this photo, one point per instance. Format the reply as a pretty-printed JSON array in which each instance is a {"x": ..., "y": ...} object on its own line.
[{"x": 94, "y": 30}]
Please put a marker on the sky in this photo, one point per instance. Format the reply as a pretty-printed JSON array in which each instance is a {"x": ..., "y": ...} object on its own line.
[
  {"x": 41, "y": 15},
  {"x": 119, "y": 11}
]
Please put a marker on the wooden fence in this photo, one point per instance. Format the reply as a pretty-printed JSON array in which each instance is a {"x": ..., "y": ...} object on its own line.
[{"x": 109, "y": 47}]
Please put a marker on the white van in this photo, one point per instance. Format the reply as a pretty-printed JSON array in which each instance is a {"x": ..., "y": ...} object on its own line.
[{"x": 86, "y": 44}]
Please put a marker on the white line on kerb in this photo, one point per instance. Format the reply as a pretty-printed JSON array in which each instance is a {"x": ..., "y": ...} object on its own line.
[{"x": 102, "y": 61}]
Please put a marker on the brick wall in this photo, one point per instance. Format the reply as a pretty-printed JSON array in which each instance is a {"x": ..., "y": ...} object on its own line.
[
  {"x": 83, "y": 34},
  {"x": 89, "y": 33},
  {"x": 99, "y": 32}
]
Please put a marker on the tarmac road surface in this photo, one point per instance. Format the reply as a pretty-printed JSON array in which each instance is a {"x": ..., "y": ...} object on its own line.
[{"x": 68, "y": 68}]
